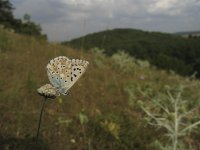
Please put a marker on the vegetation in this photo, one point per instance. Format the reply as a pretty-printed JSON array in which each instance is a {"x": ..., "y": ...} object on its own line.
[
  {"x": 172, "y": 113},
  {"x": 25, "y": 26},
  {"x": 102, "y": 110},
  {"x": 166, "y": 51}
]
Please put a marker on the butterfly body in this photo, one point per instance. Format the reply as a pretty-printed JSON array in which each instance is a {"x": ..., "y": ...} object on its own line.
[{"x": 63, "y": 72}]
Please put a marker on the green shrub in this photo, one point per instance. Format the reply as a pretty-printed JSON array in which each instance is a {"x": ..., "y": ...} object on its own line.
[{"x": 123, "y": 61}]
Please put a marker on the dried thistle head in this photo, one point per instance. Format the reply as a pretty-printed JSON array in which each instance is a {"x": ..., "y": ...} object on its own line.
[{"x": 48, "y": 91}]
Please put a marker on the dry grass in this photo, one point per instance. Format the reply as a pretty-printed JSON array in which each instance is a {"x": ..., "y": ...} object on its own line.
[{"x": 100, "y": 94}]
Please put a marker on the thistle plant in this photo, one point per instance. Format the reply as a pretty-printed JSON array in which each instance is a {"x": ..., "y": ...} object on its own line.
[
  {"x": 99, "y": 56},
  {"x": 124, "y": 61},
  {"x": 170, "y": 111}
]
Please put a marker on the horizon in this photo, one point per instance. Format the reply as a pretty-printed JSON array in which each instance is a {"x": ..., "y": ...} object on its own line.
[
  {"x": 179, "y": 32},
  {"x": 64, "y": 20}
]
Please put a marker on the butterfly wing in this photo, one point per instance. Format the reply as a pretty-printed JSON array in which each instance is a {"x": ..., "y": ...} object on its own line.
[
  {"x": 78, "y": 68},
  {"x": 63, "y": 72},
  {"x": 57, "y": 68}
]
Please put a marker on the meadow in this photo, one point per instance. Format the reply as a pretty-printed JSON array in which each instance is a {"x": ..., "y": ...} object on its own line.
[{"x": 115, "y": 105}]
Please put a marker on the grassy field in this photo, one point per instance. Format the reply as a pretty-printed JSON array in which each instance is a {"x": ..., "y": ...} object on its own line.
[{"x": 101, "y": 111}]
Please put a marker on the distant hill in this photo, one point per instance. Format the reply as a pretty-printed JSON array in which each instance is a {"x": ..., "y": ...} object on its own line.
[
  {"x": 167, "y": 51},
  {"x": 188, "y": 34}
]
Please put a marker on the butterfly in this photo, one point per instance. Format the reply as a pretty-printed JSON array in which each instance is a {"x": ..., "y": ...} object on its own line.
[{"x": 63, "y": 72}]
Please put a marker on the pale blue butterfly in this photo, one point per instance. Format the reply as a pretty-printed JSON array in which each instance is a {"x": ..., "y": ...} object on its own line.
[{"x": 63, "y": 72}]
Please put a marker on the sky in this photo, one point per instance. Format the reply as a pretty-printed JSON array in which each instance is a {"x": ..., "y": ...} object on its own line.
[{"x": 64, "y": 20}]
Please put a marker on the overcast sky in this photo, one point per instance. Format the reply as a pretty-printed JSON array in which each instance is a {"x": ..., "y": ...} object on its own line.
[{"x": 67, "y": 19}]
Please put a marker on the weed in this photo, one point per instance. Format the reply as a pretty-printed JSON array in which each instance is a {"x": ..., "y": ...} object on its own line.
[{"x": 170, "y": 111}]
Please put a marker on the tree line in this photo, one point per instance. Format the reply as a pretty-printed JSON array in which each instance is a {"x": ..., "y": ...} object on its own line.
[
  {"x": 166, "y": 51},
  {"x": 22, "y": 26}
]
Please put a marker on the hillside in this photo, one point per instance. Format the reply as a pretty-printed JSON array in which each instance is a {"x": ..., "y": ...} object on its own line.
[
  {"x": 166, "y": 51},
  {"x": 102, "y": 110},
  {"x": 189, "y": 34}
]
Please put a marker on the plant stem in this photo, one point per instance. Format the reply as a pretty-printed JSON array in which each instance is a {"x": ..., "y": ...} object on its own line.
[
  {"x": 176, "y": 124},
  {"x": 39, "y": 123}
]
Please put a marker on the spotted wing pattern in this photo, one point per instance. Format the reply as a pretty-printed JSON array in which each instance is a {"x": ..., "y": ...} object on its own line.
[{"x": 63, "y": 72}]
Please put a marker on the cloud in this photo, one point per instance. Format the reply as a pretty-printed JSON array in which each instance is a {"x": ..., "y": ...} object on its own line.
[
  {"x": 66, "y": 19},
  {"x": 171, "y": 7}
]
